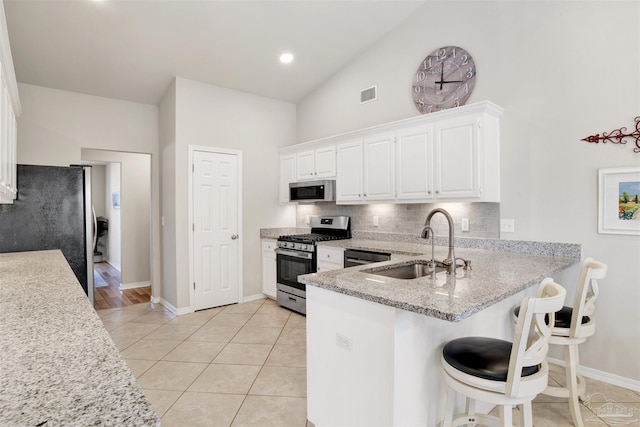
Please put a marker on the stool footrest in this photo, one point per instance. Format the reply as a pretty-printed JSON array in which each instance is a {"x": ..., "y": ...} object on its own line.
[{"x": 559, "y": 391}]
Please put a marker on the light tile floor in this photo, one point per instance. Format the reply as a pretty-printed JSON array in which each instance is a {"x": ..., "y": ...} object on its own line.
[{"x": 245, "y": 365}]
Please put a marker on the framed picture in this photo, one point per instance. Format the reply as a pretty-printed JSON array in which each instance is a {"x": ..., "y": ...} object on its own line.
[
  {"x": 115, "y": 197},
  {"x": 619, "y": 200}
]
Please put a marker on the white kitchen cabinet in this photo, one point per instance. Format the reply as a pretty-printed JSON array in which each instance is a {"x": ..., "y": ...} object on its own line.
[
  {"x": 349, "y": 172},
  {"x": 414, "y": 164},
  {"x": 456, "y": 158},
  {"x": 330, "y": 258},
  {"x": 379, "y": 182},
  {"x": 366, "y": 170},
  {"x": 457, "y": 162},
  {"x": 287, "y": 175},
  {"x": 447, "y": 156},
  {"x": 9, "y": 110},
  {"x": 269, "y": 268},
  {"x": 316, "y": 164}
]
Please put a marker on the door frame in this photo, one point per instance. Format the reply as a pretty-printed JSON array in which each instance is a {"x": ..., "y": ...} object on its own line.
[{"x": 192, "y": 149}]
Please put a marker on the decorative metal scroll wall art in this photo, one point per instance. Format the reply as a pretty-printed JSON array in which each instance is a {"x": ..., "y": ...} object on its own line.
[{"x": 618, "y": 136}]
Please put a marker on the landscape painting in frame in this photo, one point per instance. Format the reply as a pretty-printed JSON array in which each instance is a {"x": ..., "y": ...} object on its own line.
[{"x": 619, "y": 200}]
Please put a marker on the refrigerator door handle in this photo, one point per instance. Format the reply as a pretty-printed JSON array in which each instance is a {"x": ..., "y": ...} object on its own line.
[{"x": 95, "y": 229}]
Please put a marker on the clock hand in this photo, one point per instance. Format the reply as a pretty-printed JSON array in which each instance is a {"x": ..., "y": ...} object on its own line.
[{"x": 441, "y": 75}]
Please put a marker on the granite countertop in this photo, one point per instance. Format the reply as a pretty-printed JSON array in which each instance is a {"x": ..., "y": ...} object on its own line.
[
  {"x": 59, "y": 364},
  {"x": 495, "y": 275}
]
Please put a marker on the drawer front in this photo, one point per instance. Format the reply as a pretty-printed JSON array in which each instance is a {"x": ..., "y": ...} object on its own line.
[
  {"x": 268, "y": 245},
  {"x": 293, "y": 302},
  {"x": 334, "y": 256}
]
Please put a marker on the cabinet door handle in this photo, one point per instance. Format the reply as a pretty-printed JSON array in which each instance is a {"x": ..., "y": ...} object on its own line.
[
  {"x": 234, "y": 236},
  {"x": 437, "y": 191}
]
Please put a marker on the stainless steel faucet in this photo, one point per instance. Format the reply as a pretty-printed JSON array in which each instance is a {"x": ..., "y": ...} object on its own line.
[{"x": 450, "y": 261}]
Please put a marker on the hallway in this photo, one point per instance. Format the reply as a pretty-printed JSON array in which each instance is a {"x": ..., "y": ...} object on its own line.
[{"x": 107, "y": 292}]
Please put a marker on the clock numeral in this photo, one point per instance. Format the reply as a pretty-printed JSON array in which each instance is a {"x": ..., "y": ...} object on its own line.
[
  {"x": 441, "y": 55},
  {"x": 453, "y": 52},
  {"x": 426, "y": 63},
  {"x": 456, "y": 102},
  {"x": 430, "y": 108},
  {"x": 465, "y": 59},
  {"x": 466, "y": 88},
  {"x": 417, "y": 89},
  {"x": 469, "y": 72},
  {"x": 420, "y": 76},
  {"x": 421, "y": 103}
]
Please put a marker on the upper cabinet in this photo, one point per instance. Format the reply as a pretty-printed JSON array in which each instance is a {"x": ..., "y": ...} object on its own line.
[
  {"x": 316, "y": 164},
  {"x": 447, "y": 156},
  {"x": 9, "y": 110},
  {"x": 287, "y": 175}
]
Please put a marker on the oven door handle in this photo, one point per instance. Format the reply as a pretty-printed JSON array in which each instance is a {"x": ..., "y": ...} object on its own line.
[{"x": 295, "y": 254}]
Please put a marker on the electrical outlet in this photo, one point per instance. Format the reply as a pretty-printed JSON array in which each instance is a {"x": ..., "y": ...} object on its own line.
[
  {"x": 376, "y": 223},
  {"x": 343, "y": 341},
  {"x": 465, "y": 224},
  {"x": 306, "y": 219},
  {"x": 507, "y": 226}
]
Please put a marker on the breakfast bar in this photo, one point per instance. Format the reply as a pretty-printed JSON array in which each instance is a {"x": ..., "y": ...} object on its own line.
[
  {"x": 59, "y": 365},
  {"x": 374, "y": 342}
]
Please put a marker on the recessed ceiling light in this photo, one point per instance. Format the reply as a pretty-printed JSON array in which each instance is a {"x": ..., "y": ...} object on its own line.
[{"x": 286, "y": 58}]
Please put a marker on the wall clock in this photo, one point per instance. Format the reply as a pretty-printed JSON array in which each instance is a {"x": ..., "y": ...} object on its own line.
[{"x": 444, "y": 79}]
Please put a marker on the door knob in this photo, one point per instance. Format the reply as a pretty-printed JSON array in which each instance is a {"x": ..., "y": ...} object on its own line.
[{"x": 234, "y": 236}]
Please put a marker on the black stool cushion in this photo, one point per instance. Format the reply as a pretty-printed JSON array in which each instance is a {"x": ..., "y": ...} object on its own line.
[
  {"x": 482, "y": 357},
  {"x": 563, "y": 317}
]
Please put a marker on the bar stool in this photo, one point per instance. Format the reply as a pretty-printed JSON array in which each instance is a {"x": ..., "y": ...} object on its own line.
[
  {"x": 501, "y": 372},
  {"x": 572, "y": 327}
]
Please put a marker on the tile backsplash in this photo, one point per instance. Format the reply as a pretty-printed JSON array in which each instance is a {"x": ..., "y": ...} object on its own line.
[{"x": 484, "y": 218}]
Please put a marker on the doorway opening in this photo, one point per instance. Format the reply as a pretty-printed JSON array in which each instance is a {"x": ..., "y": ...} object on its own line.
[{"x": 121, "y": 198}]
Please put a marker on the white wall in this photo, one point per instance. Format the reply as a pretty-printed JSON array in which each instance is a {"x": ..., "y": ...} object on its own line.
[
  {"x": 562, "y": 71},
  {"x": 112, "y": 178},
  {"x": 56, "y": 125},
  {"x": 167, "y": 203},
  {"x": 217, "y": 117}
]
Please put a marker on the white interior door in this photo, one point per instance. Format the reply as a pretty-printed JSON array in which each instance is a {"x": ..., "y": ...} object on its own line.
[{"x": 215, "y": 229}]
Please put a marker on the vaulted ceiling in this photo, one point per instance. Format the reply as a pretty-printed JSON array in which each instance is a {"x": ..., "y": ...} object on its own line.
[{"x": 132, "y": 49}]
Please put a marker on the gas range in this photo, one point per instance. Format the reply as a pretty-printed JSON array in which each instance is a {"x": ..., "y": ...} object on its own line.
[{"x": 296, "y": 255}]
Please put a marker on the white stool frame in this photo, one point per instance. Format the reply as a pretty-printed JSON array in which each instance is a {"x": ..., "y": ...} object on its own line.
[
  {"x": 577, "y": 333},
  {"x": 529, "y": 348}
]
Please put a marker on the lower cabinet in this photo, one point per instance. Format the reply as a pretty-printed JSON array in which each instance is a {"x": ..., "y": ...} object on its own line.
[
  {"x": 269, "y": 272},
  {"x": 330, "y": 258}
]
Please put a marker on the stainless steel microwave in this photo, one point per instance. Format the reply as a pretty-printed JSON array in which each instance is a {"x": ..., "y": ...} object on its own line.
[{"x": 312, "y": 191}]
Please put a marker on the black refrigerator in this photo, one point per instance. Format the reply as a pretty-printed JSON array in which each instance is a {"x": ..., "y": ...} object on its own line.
[{"x": 52, "y": 211}]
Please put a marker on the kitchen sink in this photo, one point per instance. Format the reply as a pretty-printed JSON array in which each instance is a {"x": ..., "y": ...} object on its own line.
[{"x": 408, "y": 270}]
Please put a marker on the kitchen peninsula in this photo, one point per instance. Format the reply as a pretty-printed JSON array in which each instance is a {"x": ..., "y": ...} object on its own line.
[
  {"x": 374, "y": 342},
  {"x": 59, "y": 365}
]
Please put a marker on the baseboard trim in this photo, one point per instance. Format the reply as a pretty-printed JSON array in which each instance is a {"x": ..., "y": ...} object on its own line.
[
  {"x": 605, "y": 377},
  {"x": 155, "y": 300},
  {"x": 255, "y": 297},
  {"x": 174, "y": 310},
  {"x": 135, "y": 285}
]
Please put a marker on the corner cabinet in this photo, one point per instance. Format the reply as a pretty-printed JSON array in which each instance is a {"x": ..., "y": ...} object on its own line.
[
  {"x": 447, "y": 156},
  {"x": 9, "y": 110}
]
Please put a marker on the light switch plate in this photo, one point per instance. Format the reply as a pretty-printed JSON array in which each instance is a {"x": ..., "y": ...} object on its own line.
[
  {"x": 507, "y": 226},
  {"x": 465, "y": 224},
  {"x": 376, "y": 222}
]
